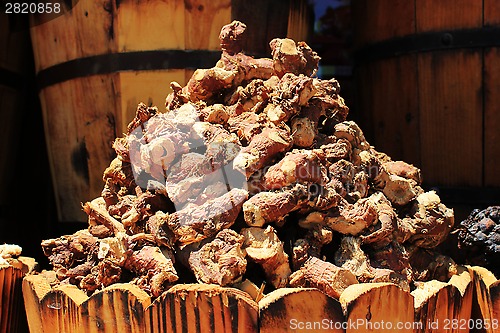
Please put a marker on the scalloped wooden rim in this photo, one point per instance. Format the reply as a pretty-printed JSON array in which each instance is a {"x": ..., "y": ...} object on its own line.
[
  {"x": 43, "y": 291},
  {"x": 462, "y": 282}
]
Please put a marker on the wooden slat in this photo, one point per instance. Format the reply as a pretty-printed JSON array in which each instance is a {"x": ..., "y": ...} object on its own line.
[
  {"x": 495, "y": 299},
  {"x": 139, "y": 26},
  {"x": 203, "y": 21},
  {"x": 12, "y": 315},
  {"x": 15, "y": 50},
  {"x": 11, "y": 104},
  {"x": 271, "y": 22},
  {"x": 149, "y": 87},
  {"x": 366, "y": 75},
  {"x": 300, "y": 24},
  {"x": 463, "y": 282},
  {"x": 451, "y": 107},
  {"x": 299, "y": 310},
  {"x": 118, "y": 308},
  {"x": 380, "y": 20},
  {"x": 79, "y": 129},
  {"x": 202, "y": 308},
  {"x": 84, "y": 31},
  {"x": 491, "y": 12},
  {"x": 436, "y": 302},
  {"x": 10, "y": 303},
  {"x": 491, "y": 116},
  {"x": 482, "y": 309},
  {"x": 390, "y": 95},
  {"x": 35, "y": 287},
  {"x": 448, "y": 14},
  {"x": 377, "y": 307}
]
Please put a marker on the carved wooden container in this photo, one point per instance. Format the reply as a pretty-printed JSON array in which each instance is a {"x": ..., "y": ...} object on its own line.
[{"x": 469, "y": 299}]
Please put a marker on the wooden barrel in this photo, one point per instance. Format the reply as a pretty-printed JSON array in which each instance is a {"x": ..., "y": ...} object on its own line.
[
  {"x": 427, "y": 73},
  {"x": 99, "y": 59}
]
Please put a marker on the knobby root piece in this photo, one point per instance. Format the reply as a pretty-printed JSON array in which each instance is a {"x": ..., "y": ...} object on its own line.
[
  {"x": 301, "y": 251},
  {"x": 298, "y": 166},
  {"x": 247, "y": 125},
  {"x": 429, "y": 265},
  {"x": 157, "y": 226},
  {"x": 293, "y": 58},
  {"x": 215, "y": 114},
  {"x": 351, "y": 257},
  {"x": 155, "y": 268},
  {"x": 381, "y": 234},
  {"x": 266, "y": 207},
  {"x": 142, "y": 115},
  {"x": 205, "y": 83},
  {"x": 96, "y": 209},
  {"x": 388, "y": 275},
  {"x": 431, "y": 221},
  {"x": 403, "y": 169},
  {"x": 353, "y": 219},
  {"x": 232, "y": 36},
  {"x": 67, "y": 250},
  {"x": 195, "y": 223},
  {"x": 220, "y": 261},
  {"x": 262, "y": 149},
  {"x": 325, "y": 276},
  {"x": 394, "y": 257},
  {"x": 10, "y": 251},
  {"x": 335, "y": 149},
  {"x": 264, "y": 247},
  {"x": 303, "y": 132},
  {"x": 350, "y": 131},
  {"x": 400, "y": 191},
  {"x": 245, "y": 68}
]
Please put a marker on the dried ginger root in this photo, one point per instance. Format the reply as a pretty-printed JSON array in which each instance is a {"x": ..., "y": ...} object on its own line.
[
  {"x": 264, "y": 247},
  {"x": 220, "y": 261},
  {"x": 323, "y": 275},
  {"x": 195, "y": 223},
  {"x": 260, "y": 142},
  {"x": 155, "y": 268}
]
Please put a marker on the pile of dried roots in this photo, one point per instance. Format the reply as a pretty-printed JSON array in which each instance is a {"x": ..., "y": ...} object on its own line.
[{"x": 254, "y": 174}]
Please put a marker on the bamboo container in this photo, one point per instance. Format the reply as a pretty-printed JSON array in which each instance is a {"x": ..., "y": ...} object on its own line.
[
  {"x": 12, "y": 315},
  {"x": 469, "y": 297},
  {"x": 99, "y": 59}
]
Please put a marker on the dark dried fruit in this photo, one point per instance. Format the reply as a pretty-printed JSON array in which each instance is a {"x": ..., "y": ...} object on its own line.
[{"x": 479, "y": 238}]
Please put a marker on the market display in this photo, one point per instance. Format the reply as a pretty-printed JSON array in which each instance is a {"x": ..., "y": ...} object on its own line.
[{"x": 255, "y": 163}]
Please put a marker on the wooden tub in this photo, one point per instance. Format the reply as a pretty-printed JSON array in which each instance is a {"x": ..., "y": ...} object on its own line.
[{"x": 470, "y": 299}]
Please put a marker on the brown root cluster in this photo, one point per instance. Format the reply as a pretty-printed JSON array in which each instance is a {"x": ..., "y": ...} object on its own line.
[{"x": 253, "y": 163}]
